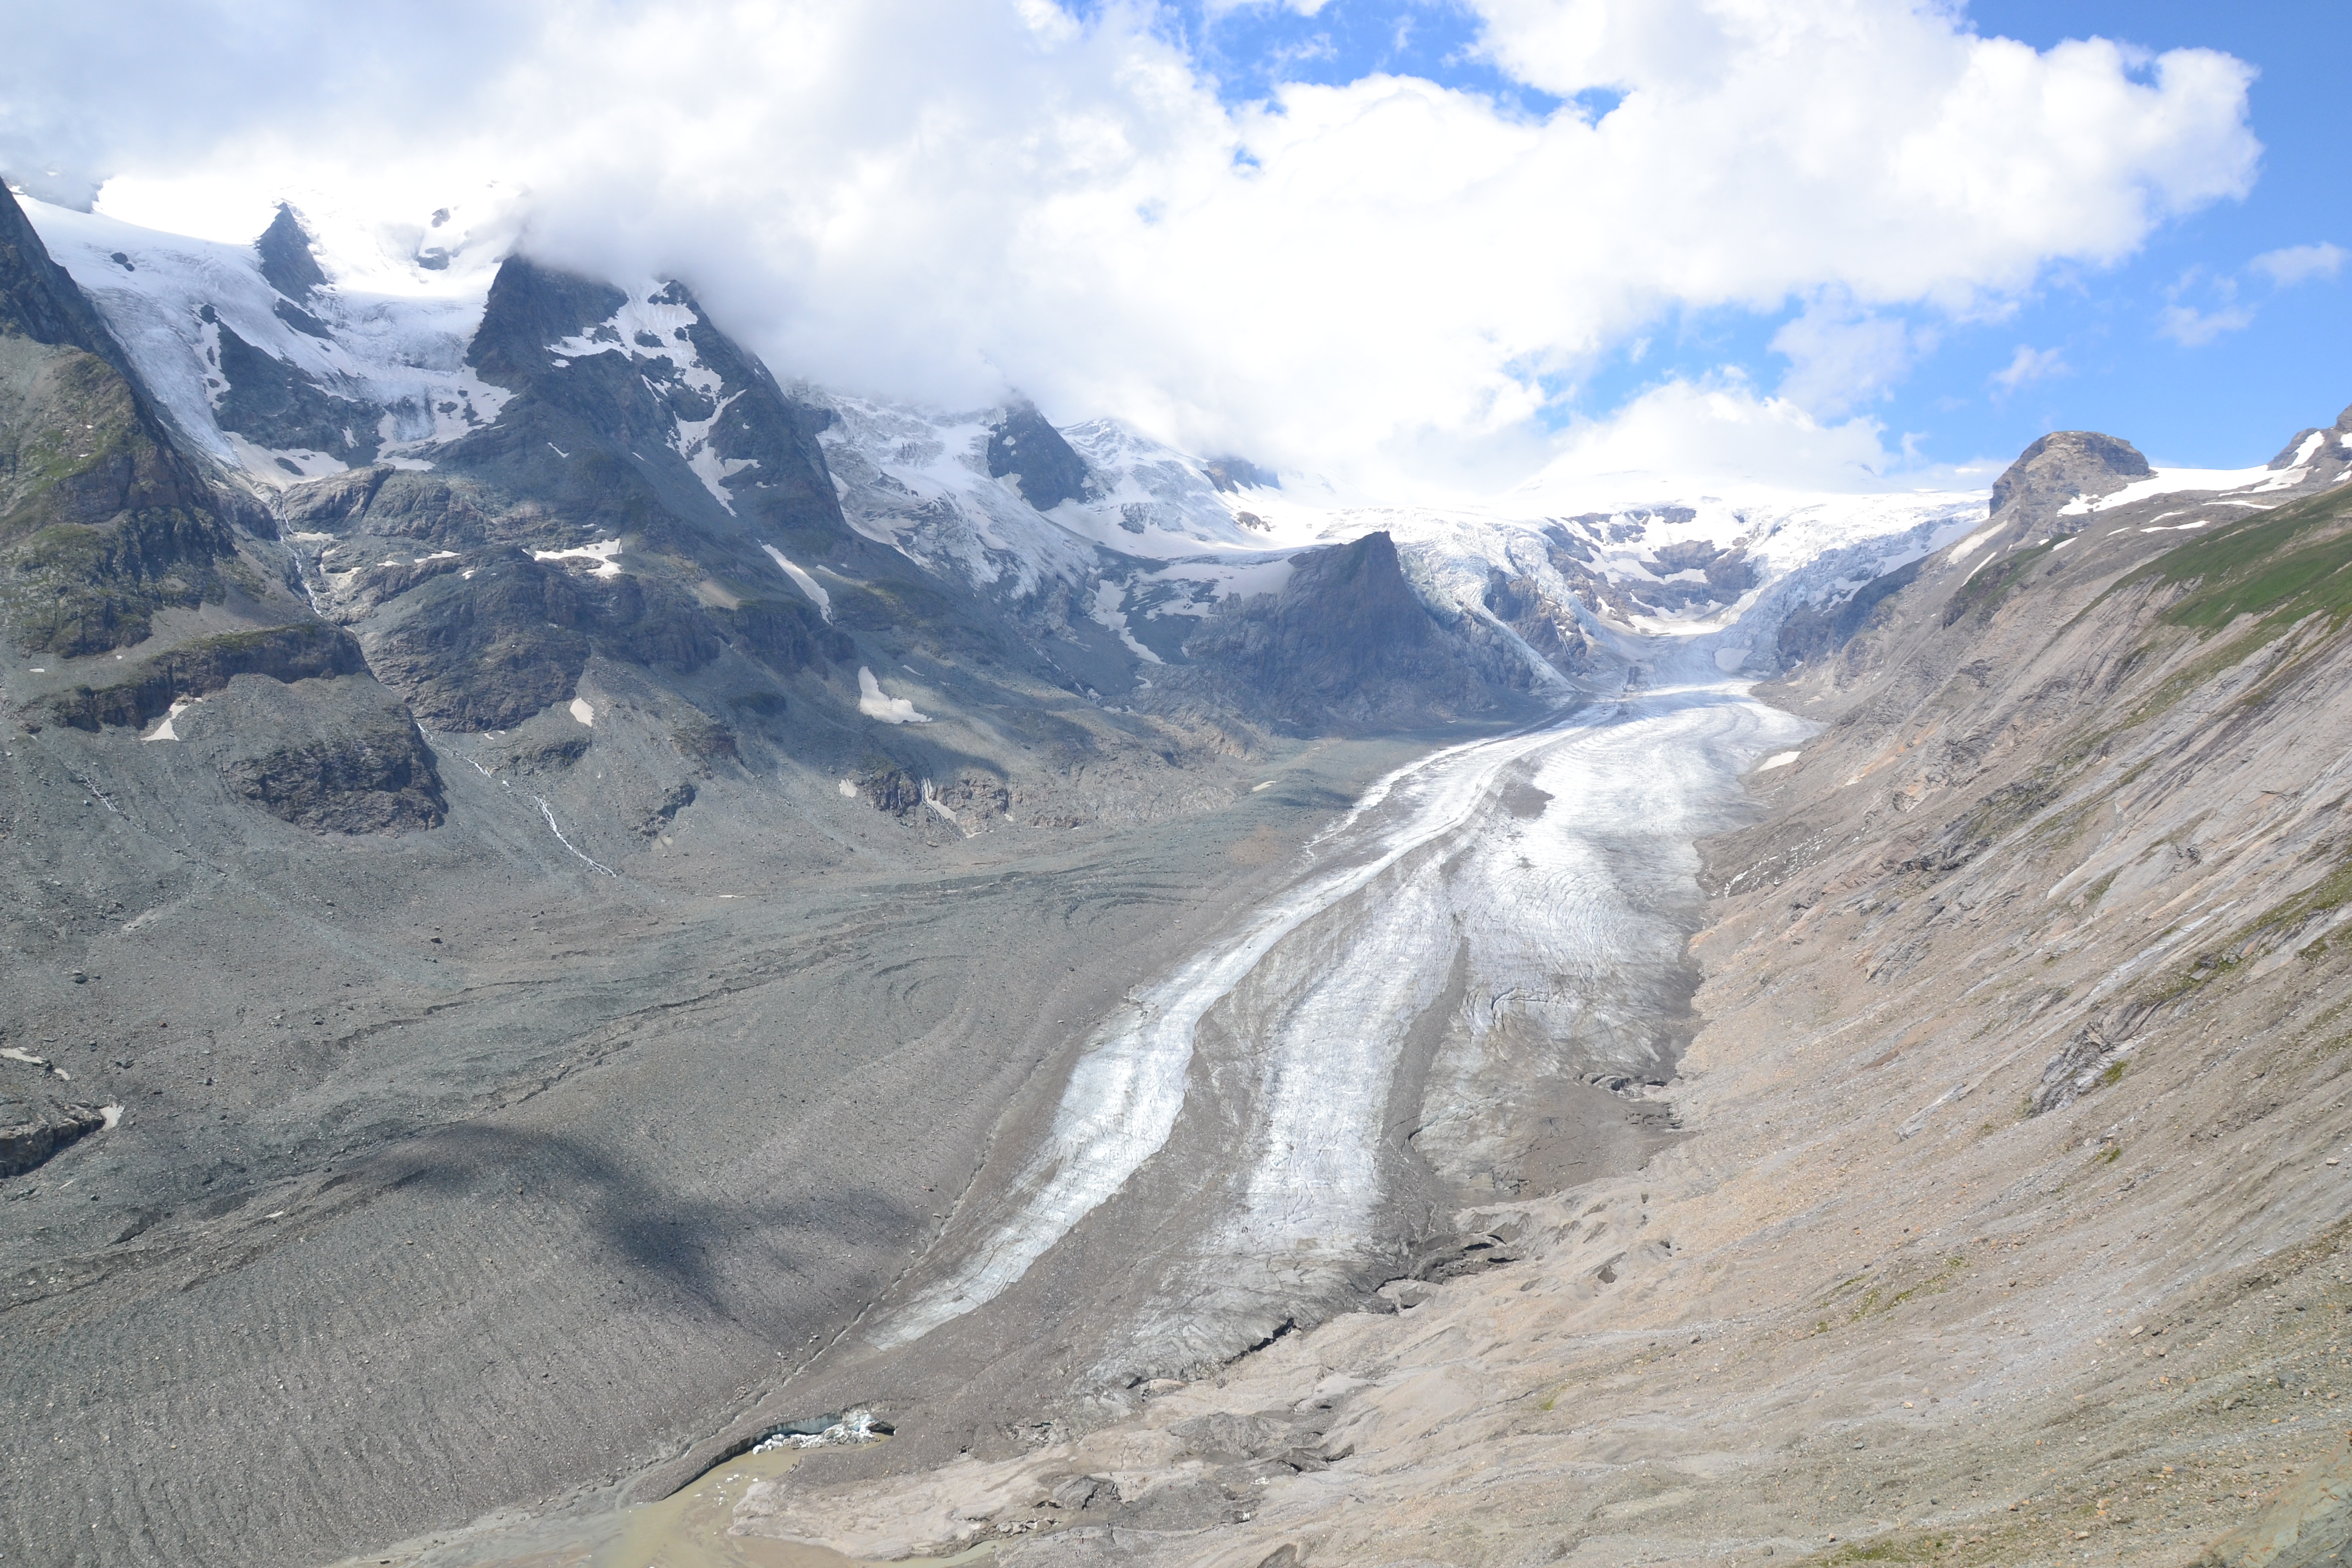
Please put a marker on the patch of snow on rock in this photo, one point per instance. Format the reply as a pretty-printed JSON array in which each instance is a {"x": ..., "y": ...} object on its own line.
[
  {"x": 165, "y": 732},
  {"x": 604, "y": 551},
  {"x": 803, "y": 582},
  {"x": 875, "y": 703}
]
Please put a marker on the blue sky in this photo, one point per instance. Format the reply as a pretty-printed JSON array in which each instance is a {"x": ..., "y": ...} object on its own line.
[{"x": 2228, "y": 397}]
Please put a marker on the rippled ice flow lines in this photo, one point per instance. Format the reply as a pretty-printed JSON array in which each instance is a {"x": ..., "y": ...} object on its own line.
[{"x": 1542, "y": 866}]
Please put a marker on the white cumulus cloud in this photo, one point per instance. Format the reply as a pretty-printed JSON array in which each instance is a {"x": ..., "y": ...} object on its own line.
[
  {"x": 1721, "y": 432},
  {"x": 937, "y": 198},
  {"x": 1839, "y": 357},
  {"x": 2298, "y": 263},
  {"x": 2030, "y": 364}
]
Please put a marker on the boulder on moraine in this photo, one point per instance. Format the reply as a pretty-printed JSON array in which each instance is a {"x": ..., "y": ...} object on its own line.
[{"x": 34, "y": 1126}]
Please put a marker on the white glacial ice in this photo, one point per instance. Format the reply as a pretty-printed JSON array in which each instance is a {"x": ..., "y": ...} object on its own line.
[{"x": 396, "y": 337}]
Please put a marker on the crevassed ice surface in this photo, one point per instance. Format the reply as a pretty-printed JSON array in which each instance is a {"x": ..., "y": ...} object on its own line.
[{"x": 1550, "y": 905}]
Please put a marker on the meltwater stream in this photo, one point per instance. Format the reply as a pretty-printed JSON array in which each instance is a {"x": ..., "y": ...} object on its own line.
[{"x": 1497, "y": 913}]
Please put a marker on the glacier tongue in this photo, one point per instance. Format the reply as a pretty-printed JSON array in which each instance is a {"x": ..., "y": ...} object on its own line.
[{"x": 1541, "y": 873}]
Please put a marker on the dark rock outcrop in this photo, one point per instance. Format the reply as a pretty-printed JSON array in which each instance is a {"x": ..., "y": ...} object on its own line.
[
  {"x": 2330, "y": 453},
  {"x": 488, "y": 649},
  {"x": 1025, "y": 448},
  {"x": 787, "y": 635},
  {"x": 39, "y": 299},
  {"x": 1550, "y": 627},
  {"x": 597, "y": 435},
  {"x": 286, "y": 259},
  {"x": 1812, "y": 630},
  {"x": 33, "y": 1129},
  {"x": 1345, "y": 642},
  {"x": 1239, "y": 473},
  {"x": 300, "y": 651},
  {"x": 335, "y": 756},
  {"x": 276, "y": 405},
  {"x": 529, "y": 307}
]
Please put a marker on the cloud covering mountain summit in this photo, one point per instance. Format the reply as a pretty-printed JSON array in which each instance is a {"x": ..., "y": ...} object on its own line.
[{"x": 937, "y": 199}]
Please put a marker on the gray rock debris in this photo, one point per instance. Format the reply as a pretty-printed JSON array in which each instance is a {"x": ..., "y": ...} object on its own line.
[{"x": 31, "y": 1134}]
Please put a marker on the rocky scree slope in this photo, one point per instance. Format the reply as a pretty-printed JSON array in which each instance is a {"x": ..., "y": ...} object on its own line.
[
  {"x": 127, "y": 581},
  {"x": 2007, "y": 1222}
]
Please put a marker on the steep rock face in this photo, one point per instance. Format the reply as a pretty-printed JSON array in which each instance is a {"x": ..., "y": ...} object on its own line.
[
  {"x": 1548, "y": 625},
  {"x": 38, "y": 300},
  {"x": 1346, "y": 641},
  {"x": 633, "y": 409},
  {"x": 2062, "y": 466},
  {"x": 275, "y": 405},
  {"x": 103, "y": 523},
  {"x": 1030, "y": 452},
  {"x": 1811, "y": 631},
  {"x": 286, "y": 259}
]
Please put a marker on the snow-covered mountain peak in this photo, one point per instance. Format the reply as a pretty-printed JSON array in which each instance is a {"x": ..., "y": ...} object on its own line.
[
  {"x": 1148, "y": 498},
  {"x": 282, "y": 389},
  {"x": 654, "y": 321},
  {"x": 383, "y": 350}
]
